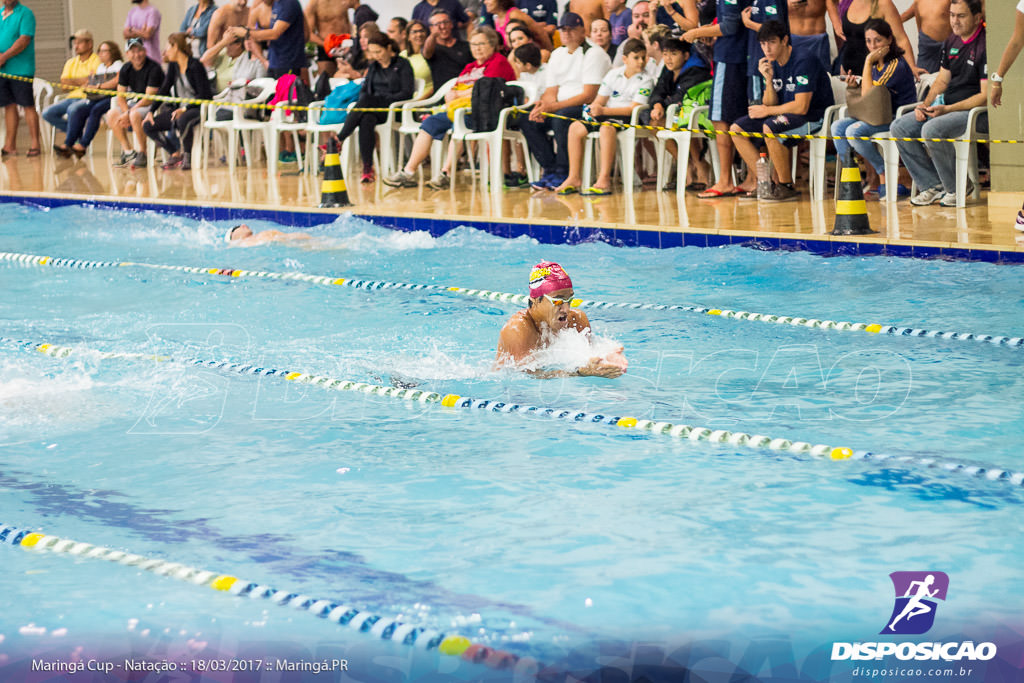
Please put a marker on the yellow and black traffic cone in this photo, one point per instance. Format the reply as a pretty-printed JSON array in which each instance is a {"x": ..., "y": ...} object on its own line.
[
  {"x": 851, "y": 211},
  {"x": 332, "y": 189}
]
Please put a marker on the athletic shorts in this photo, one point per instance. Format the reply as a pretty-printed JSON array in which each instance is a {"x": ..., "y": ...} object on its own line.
[
  {"x": 115, "y": 107},
  {"x": 794, "y": 124},
  {"x": 728, "y": 92},
  {"x": 16, "y": 92}
]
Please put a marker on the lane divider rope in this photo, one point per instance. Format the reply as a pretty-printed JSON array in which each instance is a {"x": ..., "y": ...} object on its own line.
[
  {"x": 679, "y": 431},
  {"x": 342, "y": 614},
  {"x": 793, "y": 321}
]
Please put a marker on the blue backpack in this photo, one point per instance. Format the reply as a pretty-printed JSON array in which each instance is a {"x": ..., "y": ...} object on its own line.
[{"x": 342, "y": 96}]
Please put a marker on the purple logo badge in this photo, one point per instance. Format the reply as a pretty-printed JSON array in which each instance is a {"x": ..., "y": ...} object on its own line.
[{"x": 916, "y": 595}]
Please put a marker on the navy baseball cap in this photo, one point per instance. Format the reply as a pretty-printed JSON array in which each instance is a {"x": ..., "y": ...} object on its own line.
[{"x": 570, "y": 20}]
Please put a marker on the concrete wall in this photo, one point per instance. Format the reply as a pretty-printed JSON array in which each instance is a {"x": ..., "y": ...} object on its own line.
[{"x": 1007, "y": 121}]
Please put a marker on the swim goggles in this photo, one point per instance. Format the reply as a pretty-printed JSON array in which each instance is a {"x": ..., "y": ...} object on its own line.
[{"x": 558, "y": 302}]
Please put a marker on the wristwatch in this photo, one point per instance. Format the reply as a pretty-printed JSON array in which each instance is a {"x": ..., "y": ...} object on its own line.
[{"x": 995, "y": 78}]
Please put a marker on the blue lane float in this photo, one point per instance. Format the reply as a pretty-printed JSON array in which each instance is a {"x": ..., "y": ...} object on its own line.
[
  {"x": 654, "y": 427},
  {"x": 508, "y": 297}
]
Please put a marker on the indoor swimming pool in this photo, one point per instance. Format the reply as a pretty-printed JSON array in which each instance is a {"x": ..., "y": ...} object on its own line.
[{"x": 540, "y": 537}]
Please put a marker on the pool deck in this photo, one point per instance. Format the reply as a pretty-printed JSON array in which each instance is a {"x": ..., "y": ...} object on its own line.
[{"x": 982, "y": 231}]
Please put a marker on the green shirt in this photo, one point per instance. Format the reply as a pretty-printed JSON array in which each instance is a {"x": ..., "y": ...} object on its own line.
[{"x": 20, "y": 22}]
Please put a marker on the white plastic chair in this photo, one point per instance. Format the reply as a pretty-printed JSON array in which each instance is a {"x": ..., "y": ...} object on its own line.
[
  {"x": 891, "y": 156},
  {"x": 43, "y": 95},
  {"x": 282, "y": 120},
  {"x": 490, "y": 143},
  {"x": 967, "y": 158},
  {"x": 626, "y": 139},
  {"x": 818, "y": 144},
  {"x": 385, "y": 131},
  {"x": 237, "y": 126},
  {"x": 682, "y": 138},
  {"x": 409, "y": 126}
]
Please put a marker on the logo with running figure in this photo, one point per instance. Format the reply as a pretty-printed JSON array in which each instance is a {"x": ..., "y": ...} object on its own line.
[{"x": 916, "y": 595}]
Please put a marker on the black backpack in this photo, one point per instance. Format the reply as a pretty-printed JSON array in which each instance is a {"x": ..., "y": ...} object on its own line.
[
  {"x": 300, "y": 94},
  {"x": 490, "y": 96}
]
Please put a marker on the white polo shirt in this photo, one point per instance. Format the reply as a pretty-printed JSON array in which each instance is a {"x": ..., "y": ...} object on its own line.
[
  {"x": 570, "y": 72},
  {"x": 622, "y": 91}
]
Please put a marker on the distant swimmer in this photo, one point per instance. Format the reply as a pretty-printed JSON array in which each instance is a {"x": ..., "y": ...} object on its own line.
[
  {"x": 243, "y": 236},
  {"x": 914, "y": 606},
  {"x": 547, "y": 314}
]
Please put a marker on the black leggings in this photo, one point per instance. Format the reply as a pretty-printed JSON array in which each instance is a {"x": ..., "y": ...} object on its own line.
[
  {"x": 185, "y": 126},
  {"x": 365, "y": 122}
]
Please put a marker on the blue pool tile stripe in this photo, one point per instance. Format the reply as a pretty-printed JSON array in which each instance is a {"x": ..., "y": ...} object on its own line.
[
  {"x": 547, "y": 234},
  {"x": 370, "y": 285},
  {"x": 361, "y": 621},
  {"x": 679, "y": 431}
]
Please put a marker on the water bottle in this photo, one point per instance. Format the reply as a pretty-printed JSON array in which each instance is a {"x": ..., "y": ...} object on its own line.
[
  {"x": 764, "y": 177},
  {"x": 586, "y": 113}
]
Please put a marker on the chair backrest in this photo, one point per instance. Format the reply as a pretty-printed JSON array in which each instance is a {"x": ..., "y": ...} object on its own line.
[
  {"x": 838, "y": 90},
  {"x": 42, "y": 92},
  {"x": 419, "y": 85},
  {"x": 924, "y": 84}
]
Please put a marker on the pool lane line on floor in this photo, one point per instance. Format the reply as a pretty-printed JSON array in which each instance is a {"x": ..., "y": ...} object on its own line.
[
  {"x": 679, "y": 431},
  {"x": 815, "y": 323},
  {"x": 341, "y": 614}
]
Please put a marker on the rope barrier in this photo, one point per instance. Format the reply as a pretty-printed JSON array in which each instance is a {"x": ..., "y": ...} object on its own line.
[
  {"x": 342, "y": 614},
  {"x": 678, "y": 431},
  {"x": 370, "y": 285},
  {"x": 517, "y": 110}
]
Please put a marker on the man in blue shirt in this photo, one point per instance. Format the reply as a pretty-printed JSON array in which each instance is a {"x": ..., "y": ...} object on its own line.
[
  {"x": 544, "y": 12},
  {"x": 797, "y": 93},
  {"x": 18, "y": 58},
  {"x": 287, "y": 36}
]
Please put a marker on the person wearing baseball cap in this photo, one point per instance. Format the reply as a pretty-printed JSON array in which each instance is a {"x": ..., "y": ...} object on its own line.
[{"x": 548, "y": 313}]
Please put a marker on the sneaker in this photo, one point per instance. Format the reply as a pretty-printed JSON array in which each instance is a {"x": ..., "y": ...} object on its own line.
[
  {"x": 782, "y": 193},
  {"x": 949, "y": 199},
  {"x": 902, "y": 191},
  {"x": 1019, "y": 224},
  {"x": 286, "y": 158},
  {"x": 126, "y": 159},
  {"x": 516, "y": 179},
  {"x": 173, "y": 163},
  {"x": 139, "y": 161},
  {"x": 441, "y": 182},
  {"x": 401, "y": 179},
  {"x": 928, "y": 197},
  {"x": 368, "y": 176}
]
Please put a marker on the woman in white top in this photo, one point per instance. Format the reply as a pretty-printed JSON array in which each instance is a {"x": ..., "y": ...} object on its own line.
[{"x": 83, "y": 122}]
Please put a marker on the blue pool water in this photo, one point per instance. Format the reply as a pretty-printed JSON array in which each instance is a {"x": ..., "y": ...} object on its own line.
[{"x": 527, "y": 534}]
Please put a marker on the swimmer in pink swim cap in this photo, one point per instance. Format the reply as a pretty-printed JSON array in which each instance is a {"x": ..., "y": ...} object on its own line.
[{"x": 548, "y": 313}]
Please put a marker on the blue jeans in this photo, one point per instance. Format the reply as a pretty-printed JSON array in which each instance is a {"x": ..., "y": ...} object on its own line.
[
  {"x": 868, "y": 150},
  {"x": 551, "y": 153},
  {"x": 55, "y": 114},
  {"x": 83, "y": 122},
  {"x": 932, "y": 163}
]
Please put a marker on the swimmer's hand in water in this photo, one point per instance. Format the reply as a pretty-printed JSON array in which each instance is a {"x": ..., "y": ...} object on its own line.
[{"x": 611, "y": 366}]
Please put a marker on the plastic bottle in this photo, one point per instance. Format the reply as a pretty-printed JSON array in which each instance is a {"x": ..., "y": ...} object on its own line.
[{"x": 764, "y": 177}]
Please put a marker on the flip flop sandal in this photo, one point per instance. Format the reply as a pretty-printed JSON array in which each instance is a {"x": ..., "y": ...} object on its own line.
[
  {"x": 571, "y": 189},
  {"x": 596, "y": 192},
  {"x": 33, "y": 152}
]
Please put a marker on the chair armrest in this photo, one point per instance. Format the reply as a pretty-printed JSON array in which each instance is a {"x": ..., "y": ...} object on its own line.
[{"x": 972, "y": 122}]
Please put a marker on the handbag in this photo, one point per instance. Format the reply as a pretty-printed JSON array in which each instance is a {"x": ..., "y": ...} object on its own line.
[{"x": 874, "y": 109}]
